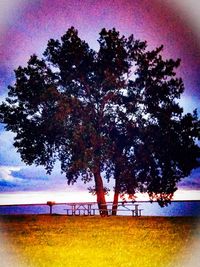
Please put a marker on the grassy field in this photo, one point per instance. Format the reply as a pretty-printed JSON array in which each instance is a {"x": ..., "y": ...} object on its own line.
[{"x": 44, "y": 240}]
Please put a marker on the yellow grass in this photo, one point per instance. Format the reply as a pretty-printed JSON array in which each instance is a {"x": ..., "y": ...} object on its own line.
[{"x": 44, "y": 240}]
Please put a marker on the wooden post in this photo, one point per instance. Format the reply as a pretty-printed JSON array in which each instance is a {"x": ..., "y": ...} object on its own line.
[
  {"x": 50, "y": 204},
  {"x": 89, "y": 209},
  {"x": 73, "y": 209},
  {"x": 136, "y": 210}
]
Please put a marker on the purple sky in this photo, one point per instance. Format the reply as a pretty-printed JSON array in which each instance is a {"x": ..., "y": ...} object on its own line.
[{"x": 26, "y": 26}]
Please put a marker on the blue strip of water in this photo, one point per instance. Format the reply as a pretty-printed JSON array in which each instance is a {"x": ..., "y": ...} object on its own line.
[{"x": 184, "y": 208}]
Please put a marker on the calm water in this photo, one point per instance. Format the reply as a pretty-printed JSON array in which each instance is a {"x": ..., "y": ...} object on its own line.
[{"x": 185, "y": 208}]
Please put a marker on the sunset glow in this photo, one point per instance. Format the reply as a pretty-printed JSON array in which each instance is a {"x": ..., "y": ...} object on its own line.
[{"x": 42, "y": 197}]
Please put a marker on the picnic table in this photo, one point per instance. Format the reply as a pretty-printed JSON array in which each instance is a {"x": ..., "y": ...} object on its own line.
[
  {"x": 89, "y": 209},
  {"x": 136, "y": 211},
  {"x": 80, "y": 209}
]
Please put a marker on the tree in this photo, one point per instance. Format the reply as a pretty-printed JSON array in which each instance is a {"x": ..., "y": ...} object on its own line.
[{"x": 113, "y": 111}]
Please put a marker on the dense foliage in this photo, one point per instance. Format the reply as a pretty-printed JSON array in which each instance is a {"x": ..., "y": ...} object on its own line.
[{"x": 114, "y": 111}]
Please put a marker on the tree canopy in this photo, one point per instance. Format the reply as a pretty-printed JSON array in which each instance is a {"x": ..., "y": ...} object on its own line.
[{"x": 114, "y": 112}]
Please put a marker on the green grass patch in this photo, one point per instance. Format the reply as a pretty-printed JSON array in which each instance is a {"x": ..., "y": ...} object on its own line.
[{"x": 44, "y": 240}]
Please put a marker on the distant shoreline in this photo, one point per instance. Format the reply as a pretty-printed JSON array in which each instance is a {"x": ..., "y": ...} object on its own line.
[{"x": 109, "y": 202}]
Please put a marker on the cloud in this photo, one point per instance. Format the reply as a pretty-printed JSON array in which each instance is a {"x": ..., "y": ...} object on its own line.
[
  {"x": 25, "y": 178},
  {"x": 29, "y": 178},
  {"x": 8, "y": 153},
  {"x": 9, "y": 10},
  {"x": 191, "y": 182},
  {"x": 7, "y": 179},
  {"x": 189, "y": 103},
  {"x": 22, "y": 174}
]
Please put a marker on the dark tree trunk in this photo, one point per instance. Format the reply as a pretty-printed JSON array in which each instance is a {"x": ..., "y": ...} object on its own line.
[
  {"x": 115, "y": 199},
  {"x": 101, "y": 201},
  {"x": 115, "y": 203}
]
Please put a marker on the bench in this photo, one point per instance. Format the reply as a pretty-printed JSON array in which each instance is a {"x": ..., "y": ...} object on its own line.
[
  {"x": 137, "y": 212},
  {"x": 79, "y": 212}
]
